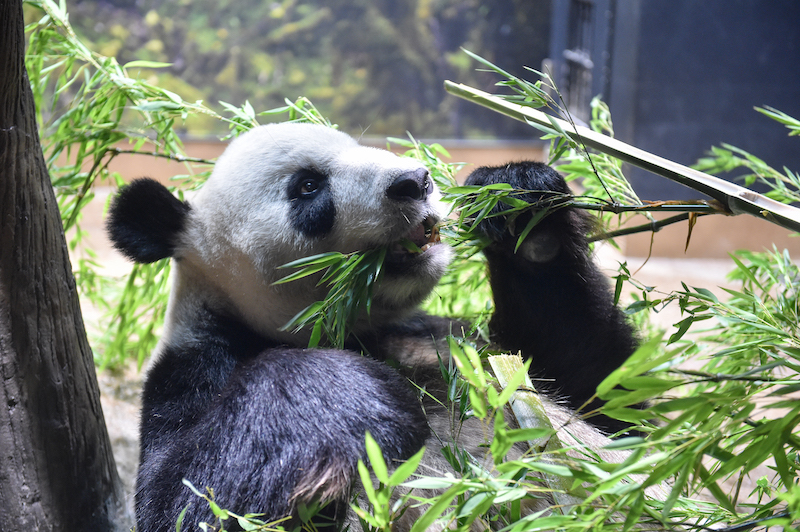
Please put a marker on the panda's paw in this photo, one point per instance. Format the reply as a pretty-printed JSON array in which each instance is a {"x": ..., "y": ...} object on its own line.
[
  {"x": 325, "y": 480},
  {"x": 535, "y": 177},
  {"x": 320, "y": 405},
  {"x": 545, "y": 189}
]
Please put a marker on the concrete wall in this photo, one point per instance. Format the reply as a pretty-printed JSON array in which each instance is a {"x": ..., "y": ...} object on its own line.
[{"x": 686, "y": 75}]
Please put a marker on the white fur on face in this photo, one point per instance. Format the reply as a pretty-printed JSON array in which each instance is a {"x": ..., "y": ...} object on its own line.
[{"x": 240, "y": 228}]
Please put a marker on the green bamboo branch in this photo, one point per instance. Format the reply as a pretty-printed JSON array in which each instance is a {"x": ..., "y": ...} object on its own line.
[
  {"x": 734, "y": 198},
  {"x": 654, "y": 227},
  {"x": 171, "y": 156},
  {"x": 697, "y": 207}
]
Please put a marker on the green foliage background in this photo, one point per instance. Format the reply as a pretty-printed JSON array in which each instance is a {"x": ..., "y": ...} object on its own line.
[{"x": 374, "y": 65}]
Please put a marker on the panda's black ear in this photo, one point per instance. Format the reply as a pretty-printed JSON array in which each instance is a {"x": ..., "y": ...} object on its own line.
[{"x": 145, "y": 221}]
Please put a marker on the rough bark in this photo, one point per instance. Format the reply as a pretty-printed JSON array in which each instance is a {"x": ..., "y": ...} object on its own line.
[{"x": 57, "y": 471}]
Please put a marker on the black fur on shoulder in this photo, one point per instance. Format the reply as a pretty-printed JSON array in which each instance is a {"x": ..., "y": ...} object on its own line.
[
  {"x": 145, "y": 221},
  {"x": 267, "y": 427},
  {"x": 551, "y": 300}
]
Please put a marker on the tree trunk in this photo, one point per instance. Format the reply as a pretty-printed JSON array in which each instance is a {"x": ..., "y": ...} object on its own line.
[{"x": 56, "y": 467}]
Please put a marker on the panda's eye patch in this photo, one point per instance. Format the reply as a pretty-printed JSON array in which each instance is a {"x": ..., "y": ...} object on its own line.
[
  {"x": 306, "y": 184},
  {"x": 311, "y": 206}
]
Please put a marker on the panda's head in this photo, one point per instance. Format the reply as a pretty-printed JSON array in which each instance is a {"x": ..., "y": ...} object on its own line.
[{"x": 279, "y": 193}]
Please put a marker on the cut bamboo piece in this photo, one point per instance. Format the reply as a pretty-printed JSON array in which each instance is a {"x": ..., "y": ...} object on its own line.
[{"x": 530, "y": 414}]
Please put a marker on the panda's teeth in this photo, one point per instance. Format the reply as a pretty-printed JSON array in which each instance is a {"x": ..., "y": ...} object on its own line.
[
  {"x": 417, "y": 241},
  {"x": 433, "y": 236}
]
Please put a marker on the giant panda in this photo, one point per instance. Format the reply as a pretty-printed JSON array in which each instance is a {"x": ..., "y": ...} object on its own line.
[{"x": 234, "y": 402}]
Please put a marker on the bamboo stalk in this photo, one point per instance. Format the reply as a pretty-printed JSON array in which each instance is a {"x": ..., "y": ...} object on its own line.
[
  {"x": 530, "y": 413},
  {"x": 735, "y": 198}
]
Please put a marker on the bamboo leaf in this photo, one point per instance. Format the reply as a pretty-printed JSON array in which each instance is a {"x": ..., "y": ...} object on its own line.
[
  {"x": 145, "y": 64},
  {"x": 406, "y": 469},
  {"x": 436, "y": 509},
  {"x": 376, "y": 460},
  {"x": 639, "y": 362},
  {"x": 535, "y": 219}
]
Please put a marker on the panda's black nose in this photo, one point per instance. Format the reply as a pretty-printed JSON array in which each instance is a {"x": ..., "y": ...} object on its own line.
[{"x": 414, "y": 185}]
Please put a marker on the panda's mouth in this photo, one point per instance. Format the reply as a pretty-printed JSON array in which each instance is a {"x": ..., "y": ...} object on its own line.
[{"x": 417, "y": 241}]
